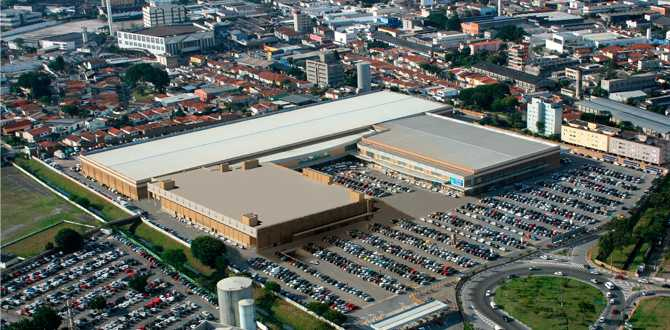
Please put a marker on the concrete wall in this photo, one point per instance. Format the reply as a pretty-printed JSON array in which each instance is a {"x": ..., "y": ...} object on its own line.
[{"x": 103, "y": 176}]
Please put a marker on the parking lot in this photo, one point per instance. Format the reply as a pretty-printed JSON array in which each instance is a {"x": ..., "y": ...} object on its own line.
[
  {"x": 104, "y": 268},
  {"x": 396, "y": 254},
  {"x": 420, "y": 239}
]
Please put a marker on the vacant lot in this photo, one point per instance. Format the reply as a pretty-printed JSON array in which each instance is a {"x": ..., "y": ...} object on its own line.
[
  {"x": 545, "y": 302},
  {"x": 35, "y": 244},
  {"x": 652, "y": 314},
  {"x": 27, "y": 206},
  {"x": 107, "y": 210}
]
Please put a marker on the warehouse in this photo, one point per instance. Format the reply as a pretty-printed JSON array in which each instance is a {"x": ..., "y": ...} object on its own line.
[
  {"x": 459, "y": 155},
  {"x": 259, "y": 206},
  {"x": 128, "y": 169}
]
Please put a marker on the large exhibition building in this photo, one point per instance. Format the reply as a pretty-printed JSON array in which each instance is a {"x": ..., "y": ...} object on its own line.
[
  {"x": 446, "y": 151},
  {"x": 294, "y": 137}
]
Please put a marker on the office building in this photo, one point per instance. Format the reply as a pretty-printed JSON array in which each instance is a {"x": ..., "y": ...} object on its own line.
[
  {"x": 12, "y": 18},
  {"x": 327, "y": 72},
  {"x": 453, "y": 154},
  {"x": 259, "y": 205},
  {"x": 636, "y": 82},
  {"x": 363, "y": 76},
  {"x": 544, "y": 117},
  {"x": 121, "y": 9},
  {"x": 164, "y": 15},
  {"x": 302, "y": 23},
  {"x": 167, "y": 40},
  {"x": 295, "y": 138}
]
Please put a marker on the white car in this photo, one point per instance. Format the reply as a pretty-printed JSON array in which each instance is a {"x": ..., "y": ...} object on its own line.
[
  {"x": 594, "y": 272},
  {"x": 558, "y": 273},
  {"x": 594, "y": 281},
  {"x": 488, "y": 293}
]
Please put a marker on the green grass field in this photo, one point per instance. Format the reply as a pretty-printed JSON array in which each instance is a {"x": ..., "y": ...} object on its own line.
[
  {"x": 35, "y": 244},
  {"x": 26, "y": 206},
  {"x": 156, "y": 238},
  {"x": 652, "y": 314},
  {"x": 547, "y": 302},
  {"x": 284, "y": 313},
  {"x": 109, "y": 211}
]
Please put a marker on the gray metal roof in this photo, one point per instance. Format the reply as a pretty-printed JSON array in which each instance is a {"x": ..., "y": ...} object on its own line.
[
  {"x": 458, "y": 143},
  {"x": 275, "y": 193},
  {"x": 276, "y": 132},
  {"x": 621, "y": 112}
]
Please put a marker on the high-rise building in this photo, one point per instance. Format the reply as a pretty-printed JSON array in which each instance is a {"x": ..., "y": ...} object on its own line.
[
  {"x": 302, "y": 23},
  {"x": 12, "y": 18},
  {"x": 327, "y": 72},
  {"x": 164, "y": 14},
  {"x": 544, "y": 117},
  {"x": 517, "y": 56},
  {"x": 363, "y": 76}
]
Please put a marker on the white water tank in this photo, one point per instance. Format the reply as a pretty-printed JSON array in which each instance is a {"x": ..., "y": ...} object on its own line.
[
  {"x": 363, "y": 76},
  {"x": 230, "y": 291},
  {"x": 247, "y": 314}
]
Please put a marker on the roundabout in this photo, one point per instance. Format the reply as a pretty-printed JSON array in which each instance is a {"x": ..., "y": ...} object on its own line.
[{"x": 479, "y": 293}]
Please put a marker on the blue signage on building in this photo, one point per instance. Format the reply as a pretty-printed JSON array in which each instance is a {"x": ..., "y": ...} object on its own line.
[{"x": 456, "y": 181}]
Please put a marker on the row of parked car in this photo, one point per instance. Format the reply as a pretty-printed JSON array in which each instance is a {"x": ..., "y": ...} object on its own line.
[
  {"x": 482, "y": 234},
  {"x": 380, "y": 260},
  {"x": 406, "y": 254},
  {"x": 354, "y": 174},
  {"x": 505, "y": 220},
  {"x": 439, "y": 236},
  {"x": 422, "y": 244},
  {"x": 623, "y": 178},
  {"x": 193, "y": 287},
  {"x": 300, "y": 284},
  {"x": 325, "y": 278},
  {"x": 583, "y": 181},
  {"x": 368, "y": 274},
  {"x": 580, "y": 193}
]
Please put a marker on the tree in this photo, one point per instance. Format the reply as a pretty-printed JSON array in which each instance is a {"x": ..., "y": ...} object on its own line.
[
  {"x": 272, "y": 286},
  {"x": 68, "y": 240},
  {"x": 175, "y": 257},
  {"x": 511, "y": 33},
  {"x": 44, "y": 318},
  {"x": 453, "y": 23},
  {"x": 147, "y": 73},
  {"x": 317, "y": 307},
  {"x": 139, "y": 282},
  {"x": 335, "y": 316},
  {"x": 482, "y": 97},
  {"x": 540, "y": 126},
  {"x": 207, "y": 249},
  {"x": 98, "y": 303},
  {"x": 58, "y": 64},
  {"x": 37, "y": 82}
]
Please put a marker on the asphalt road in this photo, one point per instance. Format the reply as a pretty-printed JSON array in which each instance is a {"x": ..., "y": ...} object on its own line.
[{"x": 489, "y": 280}]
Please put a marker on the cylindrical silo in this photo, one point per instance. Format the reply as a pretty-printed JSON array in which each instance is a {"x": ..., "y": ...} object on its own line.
[
  {"x": 247, "y": 314},
  {"x": 363, "y": 76},
  {"x": 230, "y": 291}
]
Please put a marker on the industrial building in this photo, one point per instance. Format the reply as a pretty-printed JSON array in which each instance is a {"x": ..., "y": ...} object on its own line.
[
  {"x": 652, "y": 123},
  {"x": 172, "y": 40},
  {"x": 295, "y": 138},
  {"x": 454, "y": 154},
  {"x": 259, "y": 205}
]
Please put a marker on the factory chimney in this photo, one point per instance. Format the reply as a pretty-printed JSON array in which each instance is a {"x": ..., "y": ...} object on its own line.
[
  {"x": 84, "y": 36},
  {"x": 363, "y": 76},
  {"x": 109, "y": 17},
  {"x": 578, "y": 87},
  {"x": 500, "y": 9}
]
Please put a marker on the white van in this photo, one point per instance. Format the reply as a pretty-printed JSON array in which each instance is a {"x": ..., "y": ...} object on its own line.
[{"x": 610, "y": 285}]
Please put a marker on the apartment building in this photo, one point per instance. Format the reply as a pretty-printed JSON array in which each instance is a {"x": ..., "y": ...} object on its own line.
[
  {"x": 302, "y": 23},
  {"x": 544, "y": 117},
  {"x": 626, "y": 145}
]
